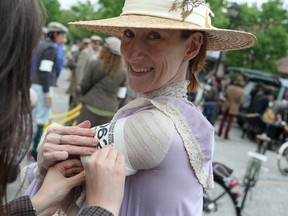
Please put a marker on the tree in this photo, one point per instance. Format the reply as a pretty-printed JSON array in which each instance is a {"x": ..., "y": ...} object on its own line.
[
  {"x": 269, "y": 24},
  {"x": 52, "y": 10},
  {"x": 81, "y": 11},
  {"x": 88, "y": 11},
  {"x": 220, "y": 19},
  {"x": 110, "y": 8}
]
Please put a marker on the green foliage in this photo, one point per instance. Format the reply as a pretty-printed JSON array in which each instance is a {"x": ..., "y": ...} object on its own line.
[
  {"x": 110, "y": 8},
  {"x": 88, "y": 11},
  {"x": 269, "y": 24},
  {"x": 220, "y": 19},
  {"x": 80, "y": 12},
  {"x": 52, "y": 9}
]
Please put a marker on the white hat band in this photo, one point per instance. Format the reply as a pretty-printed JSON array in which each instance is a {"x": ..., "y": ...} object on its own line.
[{"x": 162, "y": 8}]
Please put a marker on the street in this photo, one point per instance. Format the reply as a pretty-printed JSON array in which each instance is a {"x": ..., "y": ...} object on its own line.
[{"x": 268, "y": 198}]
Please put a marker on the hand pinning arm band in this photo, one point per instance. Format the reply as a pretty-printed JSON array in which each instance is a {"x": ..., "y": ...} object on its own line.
[{"x": 144, "y": 138}]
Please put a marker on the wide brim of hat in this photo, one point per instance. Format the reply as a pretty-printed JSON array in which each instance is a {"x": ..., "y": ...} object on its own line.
[{"x": 217, "y": 39}]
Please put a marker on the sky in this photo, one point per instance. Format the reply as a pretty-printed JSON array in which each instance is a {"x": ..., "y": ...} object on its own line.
[{"x": 65, "y": 4}]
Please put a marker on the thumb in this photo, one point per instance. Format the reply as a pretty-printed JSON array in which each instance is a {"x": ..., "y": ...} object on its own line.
[
  {"x": 85, "y": 124},
  {"x": 76, "y": 180}
]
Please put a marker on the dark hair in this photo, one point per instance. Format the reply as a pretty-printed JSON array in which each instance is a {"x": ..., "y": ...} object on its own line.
[
  {"x": 21, "y": 27},
  {"x": 53, "y": 35},
  {"x": 196, "y": 64}
]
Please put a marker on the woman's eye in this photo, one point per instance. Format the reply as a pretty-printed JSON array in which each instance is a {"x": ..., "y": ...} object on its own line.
[
  {"x": 128, "y": 33},
  {"x": 154, "y": 35}
]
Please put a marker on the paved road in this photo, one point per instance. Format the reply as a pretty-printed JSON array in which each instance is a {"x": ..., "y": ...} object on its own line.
[{"x": 268, "y": 198}]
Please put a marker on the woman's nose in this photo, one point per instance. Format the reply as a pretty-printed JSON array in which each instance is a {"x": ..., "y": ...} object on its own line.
[{"x": 135, "y": 51}]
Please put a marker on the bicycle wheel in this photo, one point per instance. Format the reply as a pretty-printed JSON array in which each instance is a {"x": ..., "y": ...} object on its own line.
[
  {"x": 220, "y": 201},
  {"x": 282, "y": 160}
]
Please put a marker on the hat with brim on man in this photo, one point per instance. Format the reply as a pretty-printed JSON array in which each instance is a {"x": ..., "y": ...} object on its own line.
[
  {"x": 113, "y": 44},
  {"x": 95, "y": 38},
  {"x": 86, "y": 40},
  {"x": 57, "y": 27},
  {"x": 191, "y": 15}
]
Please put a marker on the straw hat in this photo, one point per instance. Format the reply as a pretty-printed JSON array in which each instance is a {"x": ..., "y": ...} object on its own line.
[{"x": 171, "y": 15}]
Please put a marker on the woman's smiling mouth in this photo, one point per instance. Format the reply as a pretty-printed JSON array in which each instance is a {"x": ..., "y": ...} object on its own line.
[{"x": 141, "y": 70}]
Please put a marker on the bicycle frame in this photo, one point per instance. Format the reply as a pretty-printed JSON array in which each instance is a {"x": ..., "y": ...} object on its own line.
[
  {"x": 282, "y": 153},
  {"x": 252, "y": 173},
  {"x": 251, "y": 177}
]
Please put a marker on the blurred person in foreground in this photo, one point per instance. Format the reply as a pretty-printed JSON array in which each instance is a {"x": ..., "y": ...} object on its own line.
[{"x": 21, "y": 29}]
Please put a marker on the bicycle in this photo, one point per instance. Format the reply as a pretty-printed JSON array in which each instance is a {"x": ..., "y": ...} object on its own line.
[
  {"x": 222, "y": 200},
  {"x": 282, "y": 159},
  {"x": 226, "y": 199}
]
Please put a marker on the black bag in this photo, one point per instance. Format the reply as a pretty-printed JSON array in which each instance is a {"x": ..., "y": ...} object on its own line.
[{"x": 221, "y": 171}]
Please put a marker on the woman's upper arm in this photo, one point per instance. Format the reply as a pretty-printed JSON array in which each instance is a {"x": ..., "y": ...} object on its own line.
[{"x": 145, "y": 137}]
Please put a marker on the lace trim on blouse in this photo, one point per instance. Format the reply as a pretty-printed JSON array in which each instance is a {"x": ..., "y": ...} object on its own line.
[
  {"x": 192, "y": 146},
  {"x": 178, "y": 90}
]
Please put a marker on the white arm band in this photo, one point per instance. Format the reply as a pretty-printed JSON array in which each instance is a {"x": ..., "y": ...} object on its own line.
[{"x": 144, "y": 138}]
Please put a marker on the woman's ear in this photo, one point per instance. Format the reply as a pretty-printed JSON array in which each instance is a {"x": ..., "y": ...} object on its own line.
[{"x": 194, "y": 45}]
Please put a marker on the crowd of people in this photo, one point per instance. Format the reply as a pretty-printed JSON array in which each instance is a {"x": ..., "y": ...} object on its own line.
[
  {"x": 96, "y": 71},
  {"x": 222, "y": 100}
]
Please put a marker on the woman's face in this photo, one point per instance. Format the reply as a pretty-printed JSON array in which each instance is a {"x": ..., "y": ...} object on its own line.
[
  {"x": 60, "y": 38},
  {"x": 154, "y": 57}
]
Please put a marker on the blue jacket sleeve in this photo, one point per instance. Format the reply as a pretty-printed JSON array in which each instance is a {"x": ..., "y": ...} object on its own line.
[{"x": 60, "y": 59}]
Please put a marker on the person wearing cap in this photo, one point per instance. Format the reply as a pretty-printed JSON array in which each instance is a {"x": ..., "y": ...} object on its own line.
[
  {"x": 44, "y": 33},
  {"x": 95, "y": 44},
  {"x": 57, "y": 32},
  {"x": 100, "y": 84},
  {"x": 47, "y": 63},
  {"x": 167, "y": 142}
]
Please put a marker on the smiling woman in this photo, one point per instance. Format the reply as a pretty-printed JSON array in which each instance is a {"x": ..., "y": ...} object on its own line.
[
  {"x": 165, "y": 139},
  {"x": 155, "y": 57}
]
